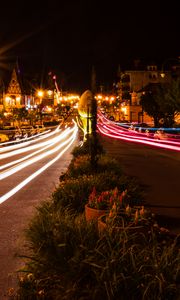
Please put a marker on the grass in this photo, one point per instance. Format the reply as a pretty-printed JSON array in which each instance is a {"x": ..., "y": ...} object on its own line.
[{"x": 71, "y": 260}]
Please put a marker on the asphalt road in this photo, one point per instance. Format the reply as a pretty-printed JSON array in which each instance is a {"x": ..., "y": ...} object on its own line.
[
  {"x": 16, "y": 212},
  {"x": 157, "y": 170}
]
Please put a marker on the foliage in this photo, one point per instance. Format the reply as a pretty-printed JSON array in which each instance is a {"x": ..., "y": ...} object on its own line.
[
  {"x": 129, "y": 217},
  {"x": 19, "y": 113},
  {"x": 80, "y": 165},
  {"x": 70, "y": 261},
  {"x": 162, "y": 102},
  {"x": 171, "y": 103},
  {"x": 150, "y": 104},
  {"x": 75, "y": 192},
  {"x": 107, "y": 199},
  {"x": 85, "y": 148}
]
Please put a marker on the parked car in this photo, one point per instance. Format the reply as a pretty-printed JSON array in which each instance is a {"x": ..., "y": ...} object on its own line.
[
  {"x": 9, "y": 127},
  {"x": 27, "y": 127},
  {"x": 39, "y": 126},
  {"x": 160, "y": 135}
]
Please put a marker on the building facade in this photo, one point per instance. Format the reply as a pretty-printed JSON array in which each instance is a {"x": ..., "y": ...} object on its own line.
[{"x": 130, "y": 88}]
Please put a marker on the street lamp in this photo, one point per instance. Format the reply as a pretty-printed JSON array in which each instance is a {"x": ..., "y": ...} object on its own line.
[{"x": 40, "y": 94}]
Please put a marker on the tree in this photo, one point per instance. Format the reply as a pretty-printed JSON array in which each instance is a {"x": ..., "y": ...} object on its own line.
[
  {"x": 19, "y": 114},
  {"x": 162, "y": 102},
  {"x": 171, "y": 104}
]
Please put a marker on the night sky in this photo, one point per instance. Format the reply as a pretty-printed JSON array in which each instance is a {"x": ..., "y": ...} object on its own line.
[{"x": 69, "y": 37}]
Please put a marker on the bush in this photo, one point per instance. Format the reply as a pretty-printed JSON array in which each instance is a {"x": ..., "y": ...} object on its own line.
[
  {"x": 71, "y": 261},
  {"x": 84, "y": 148},
  {"x": 75, "y": 192},
  {"x": 59, "y": 241},
  {"x": 81, "y": 165}
]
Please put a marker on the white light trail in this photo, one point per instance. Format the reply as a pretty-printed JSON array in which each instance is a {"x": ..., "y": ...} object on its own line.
[
  {"x": 14, "y": 162},
  {"x": 24, "y": 139},
  {"x": 24, "y": 144},
  {"x": 35, "y": 174},
  {"x": 30, "y": 148},
  {"x": 37, "y": 158}
]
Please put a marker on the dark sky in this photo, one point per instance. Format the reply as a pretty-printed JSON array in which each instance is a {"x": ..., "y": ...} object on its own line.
[{"x": 69, "y": 37}]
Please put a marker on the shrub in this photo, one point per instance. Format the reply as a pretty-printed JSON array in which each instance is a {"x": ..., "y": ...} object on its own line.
[
  {"x": 59, "y": 241},
  {"x": 75, "y": 192},
  {"x": 81, "y": 165},
  {"x": 70, "y": 261},
  {"x": 84, "y": 148}
]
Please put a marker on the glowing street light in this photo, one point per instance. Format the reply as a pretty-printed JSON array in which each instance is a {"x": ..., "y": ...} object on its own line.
[{"x": 40, "y": 93}]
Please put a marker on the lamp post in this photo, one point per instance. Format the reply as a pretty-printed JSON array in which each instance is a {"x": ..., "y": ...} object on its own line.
[
  {"x": 88, "y": 112},
  {"x": 94, "y": 141},
  {"x": 40, "y": 94}
]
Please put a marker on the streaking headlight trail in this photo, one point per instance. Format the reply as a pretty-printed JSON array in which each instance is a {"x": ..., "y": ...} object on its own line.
[
  {"x": 39, "y": 157},
  {"x": 26, "y": 149},
  {"x": 42, "y": 169},
  {"x": 25, "y": 143}
]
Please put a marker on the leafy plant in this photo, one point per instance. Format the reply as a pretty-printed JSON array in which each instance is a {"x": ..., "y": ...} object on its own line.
[
  {"x": 70, "y": 261},
  {"x": 75, "y": 192},
  {"x": 106, "y": 199},
  {"x": 81, "y": 165}
]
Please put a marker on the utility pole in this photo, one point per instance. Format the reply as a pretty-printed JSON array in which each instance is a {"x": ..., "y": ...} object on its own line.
[{"x": 93, "y": 146}]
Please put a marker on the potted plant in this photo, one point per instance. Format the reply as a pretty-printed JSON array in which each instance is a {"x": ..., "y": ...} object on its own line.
[
  {"x": 130, "y": 219},
  {"x": 100, "y": 204}
]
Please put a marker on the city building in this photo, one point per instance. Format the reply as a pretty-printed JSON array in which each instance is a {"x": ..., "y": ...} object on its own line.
[
  {"x": 15, "y": 94},
  {"x": 130, "y": 87}
]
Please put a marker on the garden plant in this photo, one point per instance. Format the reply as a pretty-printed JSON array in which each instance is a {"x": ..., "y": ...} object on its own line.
[{"x": 69, "y": 260}]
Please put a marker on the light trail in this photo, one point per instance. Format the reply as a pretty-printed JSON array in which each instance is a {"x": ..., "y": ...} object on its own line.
[
  {"x": 110, "y": 127},
  {"x": 14, "y": 162},
  {"x": 30, "y": 148},
  {"x": 129, "y": 139},
  {"x": 138, "y": 136},
  {"x": 24, "y": 139},
  {"x": 37, "y": 158},
  {"x": 35, "y": 174},
  {"x": 24, "y": 144}
]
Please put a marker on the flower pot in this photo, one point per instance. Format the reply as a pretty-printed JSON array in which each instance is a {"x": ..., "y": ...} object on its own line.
[
  {"x": 118, "y": 227},
  {"x": 92, "y": 214}
]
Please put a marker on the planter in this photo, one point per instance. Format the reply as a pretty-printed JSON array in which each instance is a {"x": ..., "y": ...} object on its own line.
[
  {"x": 121, "y": 224},
  {"x": 92, "y": 214}
]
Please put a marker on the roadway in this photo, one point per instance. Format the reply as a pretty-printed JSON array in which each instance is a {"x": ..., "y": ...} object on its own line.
[{"x": 30, "y": 172}]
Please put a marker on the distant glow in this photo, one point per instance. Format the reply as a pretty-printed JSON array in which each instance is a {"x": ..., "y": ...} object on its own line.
[
  {"x": 50, "y": 92},
  {"x": 40, "y": 93}
]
